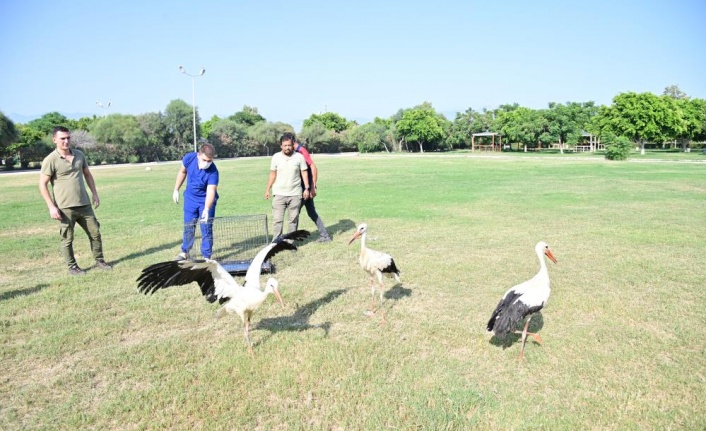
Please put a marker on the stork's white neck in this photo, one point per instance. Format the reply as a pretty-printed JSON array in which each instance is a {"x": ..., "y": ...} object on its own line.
[
  {"x": 543, "y": 271},
  {"x": 362, "y": 239}
]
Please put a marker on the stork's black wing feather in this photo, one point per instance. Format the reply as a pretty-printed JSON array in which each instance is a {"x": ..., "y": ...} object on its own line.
[
  {"x": 509, "y": 313},
  {"x": 297, "y": 235},
  {"x": 499, "y": 322},
  {"x": 391, "y": 268},
  {"x": 252, "y": 276},
  {"x": 176, "y": 273}
]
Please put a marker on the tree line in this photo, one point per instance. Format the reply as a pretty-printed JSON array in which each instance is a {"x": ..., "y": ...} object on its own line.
[{"x": 633, "y": 119}]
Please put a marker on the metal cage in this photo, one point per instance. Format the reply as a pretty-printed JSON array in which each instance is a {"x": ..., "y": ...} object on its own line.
[{"x": 236, "y": 241}]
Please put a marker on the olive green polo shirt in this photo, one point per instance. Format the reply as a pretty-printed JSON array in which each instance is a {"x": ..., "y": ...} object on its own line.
[{"x": 68, "y": 183}]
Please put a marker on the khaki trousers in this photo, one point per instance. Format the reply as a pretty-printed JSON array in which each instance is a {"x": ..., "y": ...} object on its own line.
[{"x": 86, "y": 218}]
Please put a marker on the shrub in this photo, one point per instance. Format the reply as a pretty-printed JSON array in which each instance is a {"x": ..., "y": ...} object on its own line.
[{"x": 617, "y": 148}]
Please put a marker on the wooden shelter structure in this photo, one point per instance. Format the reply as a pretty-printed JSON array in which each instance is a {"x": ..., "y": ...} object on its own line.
[
  {"x": 492, "y": 147},
  {"x": 588, "y": 142}
]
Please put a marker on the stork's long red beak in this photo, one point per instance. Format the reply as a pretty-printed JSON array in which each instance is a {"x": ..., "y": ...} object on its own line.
[
  {"x": 550, "y": 255},
  {"x": 355, "y": 237},
  {"x": 279, "y": 297}
]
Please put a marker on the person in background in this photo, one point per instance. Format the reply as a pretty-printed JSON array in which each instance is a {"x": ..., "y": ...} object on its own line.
[
  {"x": 285, "y": 183},
  {"x": 200, "y": 198},
  {"x": 67, "y": 171},
  {"x": 313, "y": 174}
]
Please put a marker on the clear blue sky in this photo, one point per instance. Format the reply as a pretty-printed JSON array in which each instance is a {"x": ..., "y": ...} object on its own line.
[{"x": 360, "y": 59}]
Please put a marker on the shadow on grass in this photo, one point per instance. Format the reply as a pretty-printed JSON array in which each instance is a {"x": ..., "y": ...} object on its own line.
[
  {"x": 397, "y": 292},
  {"x": 146, "y": 252},
  {"x": 536, "y": 324},
  {"x": 333, "y": 230},
  {"x": 12, "y": 294},
  {"x": 299, "y": 321}
]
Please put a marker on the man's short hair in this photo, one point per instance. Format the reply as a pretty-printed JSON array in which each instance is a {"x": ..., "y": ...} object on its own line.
[
  {"x": 288, "y": 136},
  {"x": 208, "y": 150},
  {"x": 58, "y": 129}
]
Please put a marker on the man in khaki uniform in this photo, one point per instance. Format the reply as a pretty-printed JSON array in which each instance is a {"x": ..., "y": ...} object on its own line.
[{"x": 67, "y": 171}]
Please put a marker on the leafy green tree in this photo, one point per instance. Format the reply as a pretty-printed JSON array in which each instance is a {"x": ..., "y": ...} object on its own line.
[
  {"x": 32, "y": 146},
  {"x": 47, "y": 122},
  {"x": 566, "y": 122},
  {"x": 247, "y": 116},
  {"x": 693, "y": 116},
  {"x": 83, "y": 123},
  {"x": 330, "y": 120},
  {"x": 423, "y": 126},
  {"x": 264, "y": 136},
  {"x": 207, "y": 126},
  {"x": 158, "y": 146},
  {"x": 523, "y": 125},
  {"x": 8, "y": 136},
  {"x": 370, "y": 137},
  {"x": 390, "y": 139},
  {"x": 317, "y": 137},
  {"x": 227, "y": 137},
  {"x": 469, "y": 122},
  {"x": 642, "y": 118},
  {"x": 178, "y": 116},
  {"x": 121, "y": 135},
  {"x": 120, "y": 130}
]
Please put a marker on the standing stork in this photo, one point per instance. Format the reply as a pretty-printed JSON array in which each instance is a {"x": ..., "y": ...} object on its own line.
[
  {"x": 375, "y": 263},
  {"x": 523, "y": 300},
  {"x": 218, "y": 285}
]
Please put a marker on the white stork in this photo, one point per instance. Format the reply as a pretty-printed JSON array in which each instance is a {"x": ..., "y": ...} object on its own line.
[
  {"x": 523, "y": 300},
  {"x": 375, "y": 263},
  {"x": 218, "y": 285}
]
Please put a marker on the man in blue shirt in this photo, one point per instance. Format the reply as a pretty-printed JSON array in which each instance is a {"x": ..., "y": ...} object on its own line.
[{"x": 200, "y": 198}]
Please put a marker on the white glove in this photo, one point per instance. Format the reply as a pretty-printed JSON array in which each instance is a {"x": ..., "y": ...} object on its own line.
[
  {"x": 175, "y": 196},
  {"x": 204, "y": 216}
]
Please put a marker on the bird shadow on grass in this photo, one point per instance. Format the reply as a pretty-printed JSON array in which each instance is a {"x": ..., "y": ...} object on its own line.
[
  {"x": 299, "y": 321},
  {"x": 12, "y": 294},
  {"x": 397, "y": 292},
  {"x": 145, "y": 252},
  {"x": 535, "y": 326}
]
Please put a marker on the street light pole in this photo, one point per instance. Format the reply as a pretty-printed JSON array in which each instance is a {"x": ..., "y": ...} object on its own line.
[
  {"x": 193, "y": 95},
  {"x": 100, "y": 105}
]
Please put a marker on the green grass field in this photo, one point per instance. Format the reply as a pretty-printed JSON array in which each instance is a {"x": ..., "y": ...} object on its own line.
[{"x": 623, "y": 332}]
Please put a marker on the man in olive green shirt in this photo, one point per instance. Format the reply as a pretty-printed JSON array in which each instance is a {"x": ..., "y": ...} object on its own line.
[{"x": 67, "y": 171}]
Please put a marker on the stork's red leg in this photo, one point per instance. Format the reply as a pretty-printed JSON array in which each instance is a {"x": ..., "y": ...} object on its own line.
[
  {"x": 524, "y": 333},
  {"x": 247, "y": 337},
  {"x": 372, "y": 296},
  {"x": 382, "y": 311}
]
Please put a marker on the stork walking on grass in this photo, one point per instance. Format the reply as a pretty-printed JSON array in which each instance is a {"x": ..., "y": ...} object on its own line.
[
  {"x": 218, "y": 285},
  {"x": 523, "y": 300},
  {"x": 375, "y": 263}
]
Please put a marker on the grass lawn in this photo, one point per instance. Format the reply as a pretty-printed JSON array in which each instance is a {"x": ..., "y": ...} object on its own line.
[{"x": 623, "y": 330}]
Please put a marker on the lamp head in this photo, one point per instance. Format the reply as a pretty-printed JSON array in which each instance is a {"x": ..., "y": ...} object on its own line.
[{"x": 203, "y": 70}]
